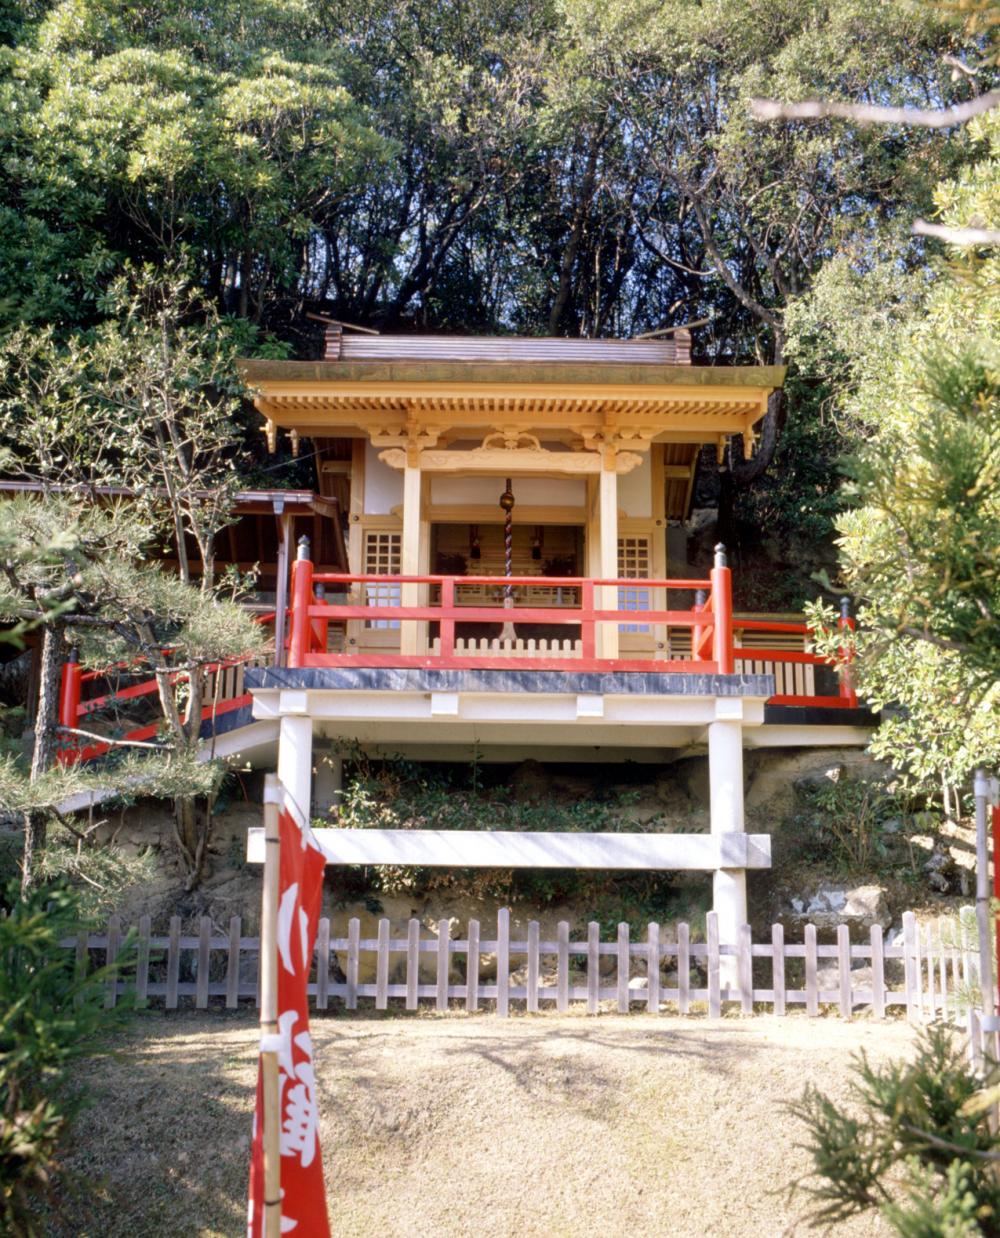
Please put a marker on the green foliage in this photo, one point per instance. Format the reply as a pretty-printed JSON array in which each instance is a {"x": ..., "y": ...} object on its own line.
[
  {"x": 912, "y": 1146},
  {"x": 51, "y": 1014},
  {"x": 918, "y": 545},
  {"x": 122, "y": 613},
  {"x": 150, "y": 400},
  {"x": 134, "y": 133},
  {"x": 398, "y": 794},
  {"x": 563, "y": 168},
  {"x": 845, "y": 820}
]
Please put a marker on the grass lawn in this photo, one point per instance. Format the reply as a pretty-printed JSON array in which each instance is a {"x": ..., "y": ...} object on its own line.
[{"x": 460, "y": 1125}]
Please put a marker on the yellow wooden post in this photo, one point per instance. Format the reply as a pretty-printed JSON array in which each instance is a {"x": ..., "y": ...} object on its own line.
[
  {"x": 412, "y": 634},
  {"x": 608, "y": 511},
  {"x": 354, "y": 630},
  {"x": 658, "y": 565}
]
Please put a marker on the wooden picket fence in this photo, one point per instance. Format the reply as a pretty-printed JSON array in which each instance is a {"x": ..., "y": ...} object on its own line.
[{"x": 932, "y": 971}]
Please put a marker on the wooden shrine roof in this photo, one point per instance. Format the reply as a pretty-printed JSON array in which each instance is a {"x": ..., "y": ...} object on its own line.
[{"x": 460, "y": 381}]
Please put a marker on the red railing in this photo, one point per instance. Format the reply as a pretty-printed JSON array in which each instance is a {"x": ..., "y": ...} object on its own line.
[
  {"x": 367, "y": 599},
  {"x": 74, "y": 710},
  {"x": 310, "y": 620},
  {"x": 716, "y": 638},
  {"x": 845, "y": 698}
]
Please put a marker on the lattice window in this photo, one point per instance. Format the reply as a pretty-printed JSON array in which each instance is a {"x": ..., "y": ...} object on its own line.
[
  {"x": 633, "y": 564},
  {"x": 382, "y": 557}
]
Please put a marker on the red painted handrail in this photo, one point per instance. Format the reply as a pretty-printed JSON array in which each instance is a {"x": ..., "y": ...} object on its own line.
[
  {"x": 551, "y": 582},
  {"x": 310, "y": 618},
  {"x": 710, "y": 621},
  {"x": 72, "y": 709}
]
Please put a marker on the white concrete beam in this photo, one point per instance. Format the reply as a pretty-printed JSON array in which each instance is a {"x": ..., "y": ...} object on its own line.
[{"x": 534, "y": 849}]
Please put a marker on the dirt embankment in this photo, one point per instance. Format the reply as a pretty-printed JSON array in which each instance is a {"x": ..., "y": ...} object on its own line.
[{"x": 453, "y": 1126}]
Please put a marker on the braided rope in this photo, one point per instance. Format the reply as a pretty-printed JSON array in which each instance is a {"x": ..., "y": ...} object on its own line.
[{"x": 508, "y": 554}]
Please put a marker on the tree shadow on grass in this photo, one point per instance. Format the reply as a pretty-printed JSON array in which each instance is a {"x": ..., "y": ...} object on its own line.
[{"x": 163, "y": 1145}]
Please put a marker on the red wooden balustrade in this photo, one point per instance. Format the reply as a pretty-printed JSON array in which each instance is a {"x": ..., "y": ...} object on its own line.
[
  {"x": 447, "y": 610},
  {"x": 715, "y": 636},
  {"x": 74, "y": 711},
  {"x": 365, "y": 598}
]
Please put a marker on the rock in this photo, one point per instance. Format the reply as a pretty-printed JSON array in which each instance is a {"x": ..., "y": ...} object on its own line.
[
  {"x": 672, "y": 794},
  {"x": 774, "y": 775},
  {"x": 641, "y": 814},
  {"x": 820, "y": 777},
  {"x": 831, "y": 905},
  {"x": 828, "y": 978},
  {"x": 398, "y": 912},
  {"x": 529, "y": 782}
]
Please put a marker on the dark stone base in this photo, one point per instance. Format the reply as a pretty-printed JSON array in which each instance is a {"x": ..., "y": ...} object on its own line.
[{"x": 419, "y": 679}]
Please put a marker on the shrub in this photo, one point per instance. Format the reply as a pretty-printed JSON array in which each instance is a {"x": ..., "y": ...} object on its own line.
[
  {"x": 916, "y": 1146},
  {"x": 846, "y": 819},
  {"x": 51, "y": 1013},
  {"x": 398, "y": 794}
]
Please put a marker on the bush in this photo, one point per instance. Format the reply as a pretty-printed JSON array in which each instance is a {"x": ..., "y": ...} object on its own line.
[
  {"x": 918, "y": 1148},
  {"x": 399, "y": 794},
  {"x": 51, "y": 1013},
  {"x": 845, "y": 822}
]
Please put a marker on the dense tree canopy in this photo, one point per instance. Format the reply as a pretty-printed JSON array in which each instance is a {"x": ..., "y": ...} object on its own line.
[
  {"x": 555, "y": 166},
  {"x": 919, "y": 546},
  {"x": 539, "y": 166},
  {"x": 566, "y": 167}
]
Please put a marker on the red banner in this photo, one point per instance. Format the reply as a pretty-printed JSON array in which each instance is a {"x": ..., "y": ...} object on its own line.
[{"x": 303, "y": 1194}]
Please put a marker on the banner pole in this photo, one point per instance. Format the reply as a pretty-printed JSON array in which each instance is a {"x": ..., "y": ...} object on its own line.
[{"x": 269, "y": 1009}]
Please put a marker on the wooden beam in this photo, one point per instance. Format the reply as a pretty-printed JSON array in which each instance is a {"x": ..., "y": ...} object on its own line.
[
  {"x": 535, "y": 849},
  {"x": 499, "y": 462}
]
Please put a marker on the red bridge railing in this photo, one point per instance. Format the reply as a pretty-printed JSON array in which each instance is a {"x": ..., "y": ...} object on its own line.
[
  {"x": 76, "y": 711},
  {"x": 323, "y": 605}
]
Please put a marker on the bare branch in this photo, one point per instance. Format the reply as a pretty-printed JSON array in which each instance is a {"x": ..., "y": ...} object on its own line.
[
  {"x": 959, "y": 65},
  {"x": 104, "y": 739},
  {"x": 867, "y": 114},
  {"x": 956, "y": 236}
]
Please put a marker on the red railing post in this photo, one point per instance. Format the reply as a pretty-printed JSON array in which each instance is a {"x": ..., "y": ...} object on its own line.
[
  {"x": 320, "y": 627},
  {"x": 302, "y": 593},
  {"x": 69, "y": 704},
  {"x": 448, "y": 617},
  {"x": 722, "y": 614},
  {"x": 846, "y": 624},
  {"x": 698, "y": 631}
]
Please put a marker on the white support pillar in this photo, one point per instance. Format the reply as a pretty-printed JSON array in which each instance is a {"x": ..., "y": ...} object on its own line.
[
  {"x": 329, "y": 786},
  {"x": 411, "y": 634},
  {"x": 295, "y": 738},
  {"x": 725, "y": 772},
  {"x": 607, "y": 644}
]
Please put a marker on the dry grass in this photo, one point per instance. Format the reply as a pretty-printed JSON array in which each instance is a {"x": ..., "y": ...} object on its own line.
[{"x": 474, "y": 1126}]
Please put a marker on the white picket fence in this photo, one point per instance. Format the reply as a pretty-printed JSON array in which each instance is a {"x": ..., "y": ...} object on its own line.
[{"x": 932, "y": 971}]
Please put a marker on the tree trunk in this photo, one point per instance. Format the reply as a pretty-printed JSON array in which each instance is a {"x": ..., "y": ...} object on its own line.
[
  {"x": 187, "y": 829},
  {"x": 34, "y": 844},
  {"x": 43, "y": 754},
  {"x": 192, "y": 829},
  {"x": 742, "y": 473},
  {"x": 47, "y": 715}
]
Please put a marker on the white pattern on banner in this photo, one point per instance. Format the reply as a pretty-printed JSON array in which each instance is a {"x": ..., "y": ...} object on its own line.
[{"x": 286, "y": 915}]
